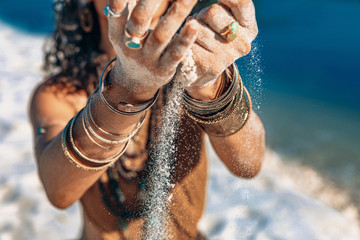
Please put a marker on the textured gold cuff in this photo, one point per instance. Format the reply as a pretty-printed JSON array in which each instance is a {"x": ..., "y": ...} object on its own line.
[
  {"x": 225, "y": 115},
  {"x": 232, "y": 123}
]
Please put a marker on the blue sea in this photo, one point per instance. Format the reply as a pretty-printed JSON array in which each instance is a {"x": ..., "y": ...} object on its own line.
[
  {"x": 303, "y": 74},
  {"x": 308, "y": 56}
]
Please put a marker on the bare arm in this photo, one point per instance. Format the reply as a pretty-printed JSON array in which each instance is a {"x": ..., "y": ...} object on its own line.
[
  {"x": 63, "y": 181},
  {"x": 135, "y": 78},
  {"x": 242, "y": 152}
]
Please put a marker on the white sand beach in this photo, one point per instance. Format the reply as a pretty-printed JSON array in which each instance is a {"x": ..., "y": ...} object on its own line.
[{"x": 287, "y": 202}]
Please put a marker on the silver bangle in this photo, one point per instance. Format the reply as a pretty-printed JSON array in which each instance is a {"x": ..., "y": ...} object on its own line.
[
  {"x": 73, "y": 160},
  {"x": 124, "y": 108},
  {"x": 89, "y": 135},
  {"x": 112, "y": 135},
  {"x": 86, "y": 158},
  {"x": 112, "y": 142}
]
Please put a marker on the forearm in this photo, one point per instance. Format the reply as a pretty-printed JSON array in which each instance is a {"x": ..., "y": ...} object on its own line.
[
  {"x": 235, "y": 131},
  {"x": 242, "y": 152},
  {"x": 63, "y": 179},
  {"x": 63, "y": 182}
]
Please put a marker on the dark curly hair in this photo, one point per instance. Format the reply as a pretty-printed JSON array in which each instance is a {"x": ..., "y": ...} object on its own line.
[{"x": 72, "y": 54}]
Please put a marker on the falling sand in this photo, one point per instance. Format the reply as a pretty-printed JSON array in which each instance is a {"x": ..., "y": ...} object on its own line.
[{"x": 159, "y": 180}]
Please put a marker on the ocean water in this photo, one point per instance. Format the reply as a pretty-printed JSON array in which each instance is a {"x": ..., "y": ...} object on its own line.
[
  {"x": 310, "y": 71},
  {"x": 304, "y": 78}
]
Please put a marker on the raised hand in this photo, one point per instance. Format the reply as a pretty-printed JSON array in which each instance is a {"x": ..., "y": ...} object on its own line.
[
  {"x": 216, "y": 47},
  {"x": 148, "y": 60}
]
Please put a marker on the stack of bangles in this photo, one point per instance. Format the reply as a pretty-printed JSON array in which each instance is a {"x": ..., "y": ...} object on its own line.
[
  {"x": 98, "y": 135},
  {"x": 225, "y": 115}
]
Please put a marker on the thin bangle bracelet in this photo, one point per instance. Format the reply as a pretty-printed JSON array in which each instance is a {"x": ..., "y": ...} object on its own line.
[
  {"x": 213, "y": 120},
  {"x": 89, "y": 135},
  {"x": 73, "y": 160},
  {"x": 206, "y": 106},
  {"x": 128, "y": 135},
  {"x": 132, "y": 110},
  {"x": 112, "y": 142},
  {"x": 86, "y": 158},
  {"x": 219, "y": 131},
  {"x": 219, "y": 116}
]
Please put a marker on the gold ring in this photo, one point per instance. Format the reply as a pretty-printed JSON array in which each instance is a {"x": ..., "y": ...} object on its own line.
[
  {"x": 134, "y": 42},
  {"x": 230, "y": 32}
]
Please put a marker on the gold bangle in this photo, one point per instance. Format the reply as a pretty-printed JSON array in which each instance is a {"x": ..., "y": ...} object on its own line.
[
  {"x": 124, "y": 137},
  {"x": 83, "y": 156},
  {"x": 220, "y": 116},
  {"x": 234, "y": 123},
  {"x": 214, "y": 106},
  {"x": 76, "y": 162},
  {"x": 124, "y": 108},
  {"x": 89, "y": 135}
]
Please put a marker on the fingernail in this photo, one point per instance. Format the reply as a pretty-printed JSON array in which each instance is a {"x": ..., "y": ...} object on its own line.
[{"x": 193, "y": 25}]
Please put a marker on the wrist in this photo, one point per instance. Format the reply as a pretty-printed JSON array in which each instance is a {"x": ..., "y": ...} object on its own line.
[
  {"x": 225, "y": 115},
  {"x": 118, "y": 93},
  {"x": 210, "y": 91}
]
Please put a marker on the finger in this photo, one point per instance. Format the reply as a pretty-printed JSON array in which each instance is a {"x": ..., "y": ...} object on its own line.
[
  {"x": 211, "y": 41},
  {"x": 167, "y": 27},
  {"x": 244, "y": 12},
  {"x": 210, "y": 71},
  {"x": 118, "y": 6},
  {"x": 141, "y": 17},
  {"x": 179, "y": 46},
  {"x": 218, "y": 19},
  {"x": 116, "y": 24},
  {"x": 208, "y": 38}
]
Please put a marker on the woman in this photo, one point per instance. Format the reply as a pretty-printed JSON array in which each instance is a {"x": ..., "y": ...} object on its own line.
[{"x": 94, "y": 144}]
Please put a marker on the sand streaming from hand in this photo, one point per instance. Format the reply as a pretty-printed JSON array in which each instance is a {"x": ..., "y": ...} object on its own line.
[
  {"x": 255, "y": 75},
  {"x": 159, "y": 179},
  {"x": 188, "y": 70}
]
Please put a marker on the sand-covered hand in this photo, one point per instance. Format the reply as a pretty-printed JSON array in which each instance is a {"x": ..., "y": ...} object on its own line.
[{"x": 154, "y": 63}]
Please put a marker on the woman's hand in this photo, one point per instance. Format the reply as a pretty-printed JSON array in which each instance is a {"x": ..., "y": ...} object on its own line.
[
  {"x": 212, "y": 52},
  {"x": 154, "y": 65}
]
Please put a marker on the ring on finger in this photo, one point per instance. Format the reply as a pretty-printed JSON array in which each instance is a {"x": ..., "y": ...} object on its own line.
[
  {"x": 110, "y": 13},
  {"x": 134, "y": 42},
  {"x": 230, "y": 32}
]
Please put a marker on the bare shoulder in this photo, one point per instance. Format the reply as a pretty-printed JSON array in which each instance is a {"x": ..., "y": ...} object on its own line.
[{"x": 52, "y": 106}]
